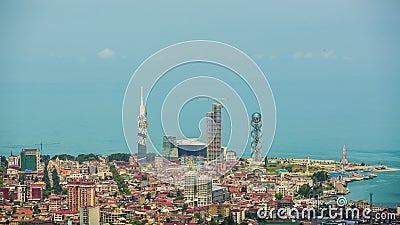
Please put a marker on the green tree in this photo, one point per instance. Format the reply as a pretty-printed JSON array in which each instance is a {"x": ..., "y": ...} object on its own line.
[
  {"x": 319, "y": 176},
  {"x": 46, "y": 178},
  {"x": 178, "y": 193},
  {"x": 180, "y": 197},
  {"x": 289, "y": 168},
  {"x": 213, "y": 222},
  {"x": 304, "y": 190},
  {"x": 22, "y": 178},
  {"x": 44, "y": 158},
  {"x": 36, "y": 209},
  {"x": 87, "y": 157},
  {"x": 119, "y": 157},
  {"x": 278, "y": 195},
  {"x": 3, "y": 168},
  {"x": 56, "y": 182},
  {"x": 122, "y": 186},
  {"x": 137, "y": 222},
  {"x": 317, "y": 189},
  {"x": 148, "y": 196},
  {"x": 184, "y": 207},
  {"x": 64, "y": 157},
  {"x": 229, "y": 220}
]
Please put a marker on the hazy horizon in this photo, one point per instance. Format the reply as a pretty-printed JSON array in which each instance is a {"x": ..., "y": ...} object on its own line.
[{"x": 332, "y": 67}]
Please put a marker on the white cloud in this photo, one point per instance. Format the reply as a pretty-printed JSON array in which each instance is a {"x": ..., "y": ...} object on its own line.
[
  {"x": 106, "y": 53},
  {"x": 83, "y": 59},
  {"x": 258, "y": 56},
  {"x": 347, "y": 58},
  {"x": 301, "y": 55},
  {"x": 328, "y": 54}
]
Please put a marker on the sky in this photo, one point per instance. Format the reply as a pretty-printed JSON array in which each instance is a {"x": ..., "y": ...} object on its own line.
[{"x": 332, "y": 66}]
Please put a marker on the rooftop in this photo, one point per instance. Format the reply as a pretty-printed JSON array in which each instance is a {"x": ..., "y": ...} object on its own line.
[{"x": 189, "y": 141}]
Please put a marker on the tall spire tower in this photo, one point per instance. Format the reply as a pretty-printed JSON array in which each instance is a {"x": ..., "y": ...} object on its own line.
[
  {"x": 256, "y": 137},
  {"x": 344, "y": 157},
  {"x": 142, "y": 130}
]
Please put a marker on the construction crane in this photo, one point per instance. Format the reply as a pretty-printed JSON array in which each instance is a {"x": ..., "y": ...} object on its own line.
[
  {"x": 218, "y": 99},
  {"x": 41, "y": 145},
  {"x": 15, "y": 147},
  {"x": 212, "y": 99}
]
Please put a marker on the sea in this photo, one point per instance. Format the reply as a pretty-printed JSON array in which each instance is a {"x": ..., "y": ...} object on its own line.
[
  {"x": 384, "y": 187},
  {"x": 86, "y": 118}
]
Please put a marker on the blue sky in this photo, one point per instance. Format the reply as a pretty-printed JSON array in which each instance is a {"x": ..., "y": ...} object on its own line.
[{"x": 332, "y": 65}]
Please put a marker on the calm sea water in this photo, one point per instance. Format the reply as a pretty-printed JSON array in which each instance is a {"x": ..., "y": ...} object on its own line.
[
  {"x": 384, "y": 187},
  {"x": 88, "y": 120}
]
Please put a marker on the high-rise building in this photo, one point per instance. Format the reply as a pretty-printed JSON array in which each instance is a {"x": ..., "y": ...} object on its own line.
[
  {"x": 13, "y": 161},
  {"x": 36, "y": 191},
  {"x": 198, "y": 189},
  {"x": 30, "y": 159},
  {"x": 54, "y": 203},
  {"x": 190, "y": 183},
  {"x": 89, "y": 215},
  {"x": 142, "y": 130},
  {"x": 214, "y": 132},
  {"x": 81, "y": 193},
  {"x": 169, "y": 148},
  {"x": 158, "y": 162},
  {"x": 204, "y": 190},
  {"x": 22, "y": 193},
  {"x": 238, "y": 215},
  {"x": 230, "y": 156},
  {"x": 220, "y": 194}
]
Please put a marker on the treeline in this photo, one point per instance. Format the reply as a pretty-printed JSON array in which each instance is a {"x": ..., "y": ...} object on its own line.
[
  {"x": 122, "y": 187},
  {"x": 3, "y": 168},
  {"x": 89, "y": 157},
  {"x": 57, "y": 189},
  {"x": 80, "y": 157},
  {"x": 119, "y": 157},
  {"x": 318, "y": 177}
]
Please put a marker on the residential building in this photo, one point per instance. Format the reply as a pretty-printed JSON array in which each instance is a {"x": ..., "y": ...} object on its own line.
[
  {"x": 22, "y": 193},
  {"x": 169, "y": 148},
  {"x": 204, "y": 190},
  {"x": 220, "y": 194},
  {"x": 80, "y": 193},
  {"x": 30, "y": 159},
  {"x": 89, "y": 215},
  {"x": 238, "y": 215},
  {"x": 190, "y": 182}
]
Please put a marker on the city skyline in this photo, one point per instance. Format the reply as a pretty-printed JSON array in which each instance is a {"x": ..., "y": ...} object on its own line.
[
  {"x": 318, "y": 74},
  {"x": 208, "y": 112}
]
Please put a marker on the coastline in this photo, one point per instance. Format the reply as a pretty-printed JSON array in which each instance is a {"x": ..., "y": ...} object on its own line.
[{"x": 351, "y": 166}]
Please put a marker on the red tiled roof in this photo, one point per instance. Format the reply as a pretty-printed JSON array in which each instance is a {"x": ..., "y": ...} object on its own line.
[
  {"x": 166, "y": 203},
  {"x": 287, "y": 198},
  {"x": 25, "y": 211},
  {"x": 80, "y": 182},
  {"x": 66, "y": 212}
]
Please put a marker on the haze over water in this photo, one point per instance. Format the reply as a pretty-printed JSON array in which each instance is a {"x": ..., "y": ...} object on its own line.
[{"x": 332, "y": 66}]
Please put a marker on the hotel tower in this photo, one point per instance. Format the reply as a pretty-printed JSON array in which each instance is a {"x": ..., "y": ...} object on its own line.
[{"x": 214, "y": 132}]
